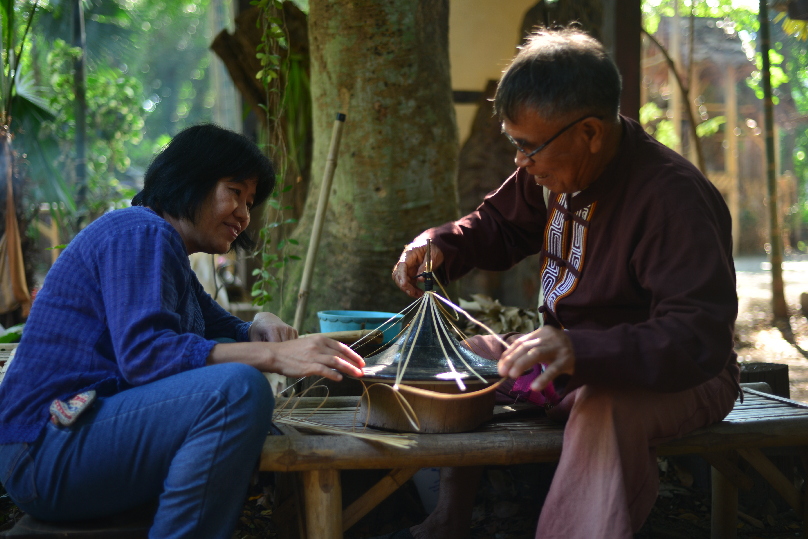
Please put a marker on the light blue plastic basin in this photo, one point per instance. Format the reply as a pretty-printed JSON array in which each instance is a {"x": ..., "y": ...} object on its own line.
[{"x": 352, "y": 320}]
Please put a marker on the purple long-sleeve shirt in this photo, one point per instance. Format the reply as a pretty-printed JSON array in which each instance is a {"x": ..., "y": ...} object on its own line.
[
  {"x": 637, "y": 267},
  {"x": 120, "y": 308}
]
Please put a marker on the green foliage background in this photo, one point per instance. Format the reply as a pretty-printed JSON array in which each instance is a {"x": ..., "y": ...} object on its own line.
[
  {"x": 147, "y": 65},
  {"x": 789, "y": 59}
]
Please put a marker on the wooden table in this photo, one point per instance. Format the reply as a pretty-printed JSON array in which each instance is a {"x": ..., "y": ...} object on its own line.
[{"x": 517, "y": 437}]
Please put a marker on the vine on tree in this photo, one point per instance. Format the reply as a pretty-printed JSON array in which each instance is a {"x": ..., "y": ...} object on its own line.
[{"x": 275, "y": 66}]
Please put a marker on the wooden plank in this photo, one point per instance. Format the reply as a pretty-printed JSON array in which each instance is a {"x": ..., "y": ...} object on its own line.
[
  {"x": 511, "y": 441},
  {"x": 375, "y": 495},
  {"x": 314, "y": 452},
  {"x": 501, "y": 447},
  {"x": 752, "y": 392}
]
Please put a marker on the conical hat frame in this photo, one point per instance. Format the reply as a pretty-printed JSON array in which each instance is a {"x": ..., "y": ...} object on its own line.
[{"x": 428, "y": 406}]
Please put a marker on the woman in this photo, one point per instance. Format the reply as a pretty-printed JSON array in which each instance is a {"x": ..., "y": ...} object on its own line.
[{"x": 121, "y": 390}]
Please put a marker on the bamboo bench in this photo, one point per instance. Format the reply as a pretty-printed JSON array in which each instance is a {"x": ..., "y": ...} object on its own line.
[{"x": 516, "y": 437}]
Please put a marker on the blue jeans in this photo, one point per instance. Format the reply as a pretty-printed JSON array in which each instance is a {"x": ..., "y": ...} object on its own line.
[{"x": 191, "y": 441}]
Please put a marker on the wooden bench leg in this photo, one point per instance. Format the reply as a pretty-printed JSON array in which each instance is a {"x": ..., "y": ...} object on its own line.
[
  {"x": 323, "y": 498},
  {"x": 774, "y": 476},
  {"x": 724, "y": 513},
  {"x": 377, "y": 494}
]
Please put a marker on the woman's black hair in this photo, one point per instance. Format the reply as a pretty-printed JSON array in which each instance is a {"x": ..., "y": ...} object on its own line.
[{"x": 182, "y": 175}]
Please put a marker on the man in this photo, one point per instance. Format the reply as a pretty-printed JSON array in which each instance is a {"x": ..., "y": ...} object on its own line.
[{"x": 637, "y": 279}]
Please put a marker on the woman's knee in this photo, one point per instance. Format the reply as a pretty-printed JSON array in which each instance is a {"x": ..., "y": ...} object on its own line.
[
  {"x": 250, "y": 378},
  {"x": 246, "y": 388}
]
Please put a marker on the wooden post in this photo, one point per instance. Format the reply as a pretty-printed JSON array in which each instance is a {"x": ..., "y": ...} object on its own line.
[
  {"x": 774, "y": 374},
  {"x": 724, "y": 514},
  {"x": 323, "y": 499}
]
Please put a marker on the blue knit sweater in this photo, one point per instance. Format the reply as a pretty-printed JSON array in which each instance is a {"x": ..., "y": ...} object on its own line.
[{"x": 120, "y": 308}]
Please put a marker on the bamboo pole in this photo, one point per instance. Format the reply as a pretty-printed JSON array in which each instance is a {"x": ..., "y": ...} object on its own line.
[
  {"x": 322, "y": 492},
  {"x": 724, "y": 513},
  {"x": 319, "y": 218}
]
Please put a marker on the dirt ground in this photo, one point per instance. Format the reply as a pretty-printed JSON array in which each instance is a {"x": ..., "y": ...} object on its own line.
[
  {"x": 759, "y": 342},
  {"x": 510, "y": 497}
]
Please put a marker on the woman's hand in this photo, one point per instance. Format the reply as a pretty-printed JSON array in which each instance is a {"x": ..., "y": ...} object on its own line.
[
  {"x": 267, "y": 327},
  {"x": 310, "y": 356},
  {"x": 411, "y": 264},
  {"x": 316, "y": 356},
  {"x": 547, "y": 345}
]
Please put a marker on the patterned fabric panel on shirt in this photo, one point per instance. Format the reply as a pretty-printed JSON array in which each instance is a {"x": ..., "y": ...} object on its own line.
[{"x": 564, "y": 250}]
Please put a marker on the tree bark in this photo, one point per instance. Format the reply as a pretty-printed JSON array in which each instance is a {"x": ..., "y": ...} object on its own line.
[
  {"x": 79, "y": 87},
  {"x": 779, "y": 306},
  {"x": 385, "y": 63}
]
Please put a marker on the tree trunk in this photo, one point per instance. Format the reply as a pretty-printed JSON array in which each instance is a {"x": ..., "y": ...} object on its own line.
[
  {"x": 779, "y": 306},
  {"x": 15, "y": 298},
  {"x": 384, "y": 63},
  {"x": 79, "y": 87}
]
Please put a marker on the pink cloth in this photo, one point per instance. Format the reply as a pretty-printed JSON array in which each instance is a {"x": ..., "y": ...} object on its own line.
[
  {"x": 521, "y": 389},
  {"x": 511, "y": 391},
  {"x": 607, "y": 478}
]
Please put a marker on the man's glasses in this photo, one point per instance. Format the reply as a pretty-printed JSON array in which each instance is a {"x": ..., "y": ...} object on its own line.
[{"x": 533, "y": 152}]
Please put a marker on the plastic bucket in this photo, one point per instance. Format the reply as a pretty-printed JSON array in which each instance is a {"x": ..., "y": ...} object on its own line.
[{"x": 351, "y": 320}]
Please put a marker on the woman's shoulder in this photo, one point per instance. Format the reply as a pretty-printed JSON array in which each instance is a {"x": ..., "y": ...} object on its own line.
[
  {"x": 130, "y": 229},
  {"x": 126, "y": 221},
  {"x": 133, "y": 216}
]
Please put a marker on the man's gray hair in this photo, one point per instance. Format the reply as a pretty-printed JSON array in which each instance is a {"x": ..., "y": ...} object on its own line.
[{"x": 558, "y": 73}]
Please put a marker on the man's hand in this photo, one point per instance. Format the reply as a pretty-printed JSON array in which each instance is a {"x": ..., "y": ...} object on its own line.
[
  {"x": 411, "y": 264},
  {"x": 267, "y": 327},
  {"x": 547, "y": 345}
]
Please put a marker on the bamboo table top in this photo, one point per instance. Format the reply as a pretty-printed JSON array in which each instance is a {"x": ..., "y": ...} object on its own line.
[{"x": 514, "y": 436}]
